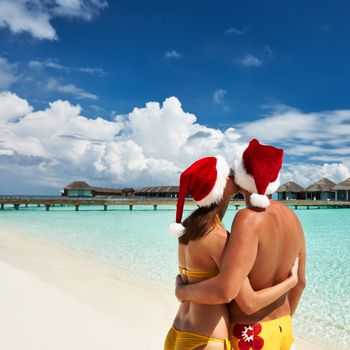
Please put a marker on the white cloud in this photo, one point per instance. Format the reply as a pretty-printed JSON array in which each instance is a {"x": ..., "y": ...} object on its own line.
[
  {"x": 250, "y": 60},
  {"x": 26, "y": 16},
  {"x": 235, "y": 31},
  {"x": 12, "y": 107},
  {"x": 70, "y": 89},
  {"x": 173, "y": 54},
  {"x": 7, "y": 73},
  {"x": 303, "y": 134},
  {"x": 85, "y": 9},
  {"x": 218, "y": 96},
  {"x": 306, "y": 174},
  {"x": 53, "y": 64},
  {"x": 93, "y": 70},
  {"x": 35, "y": 64},
  {"x": 150, "y": 145},
  {"x": 34, "y": 16}
]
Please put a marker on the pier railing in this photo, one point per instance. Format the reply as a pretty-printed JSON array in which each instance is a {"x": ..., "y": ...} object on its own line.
[{"x": 51, "y": 201}]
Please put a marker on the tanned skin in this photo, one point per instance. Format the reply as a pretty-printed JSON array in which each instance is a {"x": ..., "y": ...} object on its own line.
[{"x": 263, "y": 245}]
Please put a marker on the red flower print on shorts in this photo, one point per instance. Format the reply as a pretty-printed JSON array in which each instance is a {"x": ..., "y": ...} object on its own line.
[{"x": 248, "y": 336}]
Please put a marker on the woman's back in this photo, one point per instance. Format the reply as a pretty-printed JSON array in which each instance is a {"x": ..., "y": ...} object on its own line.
[{"x": 200, "y": 259}]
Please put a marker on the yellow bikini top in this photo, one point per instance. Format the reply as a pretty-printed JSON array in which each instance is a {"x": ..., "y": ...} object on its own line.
[{"x": 200, "y": 274}]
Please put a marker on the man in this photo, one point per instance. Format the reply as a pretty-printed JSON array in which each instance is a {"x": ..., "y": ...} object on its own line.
[{"x": 266, "y": 238}]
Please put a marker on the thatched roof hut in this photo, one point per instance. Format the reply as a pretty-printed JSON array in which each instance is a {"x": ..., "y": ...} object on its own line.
[
  {"x": 290, "y": 191},
  {"x": 78, "y": 185},
  {"x": 83, "y": 189},
  {"x": 290, "y": 186},
  {"x": 345, "y": 185},
  {"x": 321, "y": 190},
  {"x": 105, "y": 191},
  {"x": 322, "y": 185},
  {"x": 158, "y": 191},
  {"x": 342, "y": 190}
]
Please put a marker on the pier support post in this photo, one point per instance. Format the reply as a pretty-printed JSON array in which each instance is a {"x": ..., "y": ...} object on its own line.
[
  {"x": 130, "y": 207},
  {"x": 2, "y": 206},
  {"x": 105, "y": 207},
  {"x": 237, "y": 206},
  {"x": 16, "y": 206},
  {"x": 47, "y": 207},
  {"x": 38, "y": 205},
  {"x": 295, "y": 207},
  {"x": 77, "y": 207},
  {"x": 307, "y": 207},
  {"x": 26, "y": 206},
  {"x": 155, "y": 207}
]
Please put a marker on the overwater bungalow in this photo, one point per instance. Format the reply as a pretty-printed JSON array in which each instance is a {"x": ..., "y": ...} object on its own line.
[
  {"x": 83, "y": 189},
  {"x": 290, "y": 191},
  {"x": 321, "y": 190},
  {"x": 158, "y": 191},
  {"x": 342, "y": 191}
]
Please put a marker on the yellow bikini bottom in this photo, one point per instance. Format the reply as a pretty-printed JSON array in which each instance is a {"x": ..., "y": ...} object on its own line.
[
  {"x": 270, "y": 335},
  {"x": 178, "y": 340}
]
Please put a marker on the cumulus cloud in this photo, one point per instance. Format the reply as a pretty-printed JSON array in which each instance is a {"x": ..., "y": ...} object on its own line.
[
  {"x": 8, "y": 74},
  {"x": 34, "y": 16},
  {"x": 12, "y": 107},
  {"x": 70, "y": 89},
  {"x": 172, "y": 54},
  {"x": 150, "y": 145}
]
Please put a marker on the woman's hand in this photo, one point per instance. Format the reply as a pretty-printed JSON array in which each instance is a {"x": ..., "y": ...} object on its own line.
[
  {"x": 294, "y": 272},
  {"x": 178, "y": 288}
]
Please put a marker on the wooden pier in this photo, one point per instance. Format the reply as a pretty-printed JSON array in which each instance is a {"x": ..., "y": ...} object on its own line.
[{"x": 48, "y": 202}]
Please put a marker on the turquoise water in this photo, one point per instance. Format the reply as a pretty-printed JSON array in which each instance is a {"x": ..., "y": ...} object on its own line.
[{"x": 136, "y": 243}]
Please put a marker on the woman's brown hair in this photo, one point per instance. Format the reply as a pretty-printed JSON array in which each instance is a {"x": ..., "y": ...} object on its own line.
[{"x": 199, "y": 223}]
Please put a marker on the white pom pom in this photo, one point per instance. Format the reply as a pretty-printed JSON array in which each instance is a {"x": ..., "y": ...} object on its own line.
[
  {"x": 259, "y": 200},
  {"x": 176, "y": 229}
]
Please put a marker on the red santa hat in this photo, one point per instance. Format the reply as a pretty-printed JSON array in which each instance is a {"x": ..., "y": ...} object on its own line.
[
  {"x": 257, "y": 171},
  {"x": 204, "y": 181}
]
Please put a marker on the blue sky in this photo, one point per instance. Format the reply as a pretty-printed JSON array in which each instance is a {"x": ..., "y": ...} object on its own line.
[{"x": 274, "y": 70}]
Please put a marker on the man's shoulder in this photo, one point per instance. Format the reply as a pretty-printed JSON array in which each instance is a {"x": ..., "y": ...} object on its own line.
[{"x": 247, "y": 215}]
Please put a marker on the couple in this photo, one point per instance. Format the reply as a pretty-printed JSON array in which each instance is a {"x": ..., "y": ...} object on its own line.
[{"x": 238, "y": 290}]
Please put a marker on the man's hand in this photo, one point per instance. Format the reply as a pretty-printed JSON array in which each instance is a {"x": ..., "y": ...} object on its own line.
[{"x": 179, "y": 289}]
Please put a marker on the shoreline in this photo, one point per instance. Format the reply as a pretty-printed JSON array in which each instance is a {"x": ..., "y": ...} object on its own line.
[{"x": 57, "y": 299}]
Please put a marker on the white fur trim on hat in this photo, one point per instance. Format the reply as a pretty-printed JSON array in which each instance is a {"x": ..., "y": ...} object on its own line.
[
  {"x": 217, "y": 192},
  {"x": 247, "y": 182},
  {"x": 176, "y": 229},
  {"x": 259, "y": 200}
]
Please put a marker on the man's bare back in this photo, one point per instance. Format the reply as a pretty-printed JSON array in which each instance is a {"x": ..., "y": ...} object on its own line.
[{"x": 280, "y": 241}]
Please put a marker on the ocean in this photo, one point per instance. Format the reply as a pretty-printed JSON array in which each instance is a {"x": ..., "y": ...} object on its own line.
[{"x": 137, "y": 245}]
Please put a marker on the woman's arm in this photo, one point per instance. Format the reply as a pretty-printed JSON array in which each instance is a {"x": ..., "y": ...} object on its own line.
[{"x": 250, "y": 301}]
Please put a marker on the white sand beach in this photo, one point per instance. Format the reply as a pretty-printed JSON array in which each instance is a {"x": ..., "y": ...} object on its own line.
[{"x": 53, "y": 299}]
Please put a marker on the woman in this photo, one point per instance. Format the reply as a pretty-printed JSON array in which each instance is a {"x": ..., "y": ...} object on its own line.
[{"x": 202, "y": 240}]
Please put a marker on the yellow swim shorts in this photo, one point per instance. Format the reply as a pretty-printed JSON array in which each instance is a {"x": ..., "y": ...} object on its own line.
[{"x": 270, "y": 335}]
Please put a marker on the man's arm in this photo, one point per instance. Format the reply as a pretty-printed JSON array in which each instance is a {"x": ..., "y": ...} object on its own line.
[
  {"x": 250, "y": 301},
  {"x": 237, "y": 261},
  {"x": 295, "y": 294}
]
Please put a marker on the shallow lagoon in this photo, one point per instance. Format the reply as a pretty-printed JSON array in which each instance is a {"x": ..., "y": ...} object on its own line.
[{"x": 137, "y": 245}]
